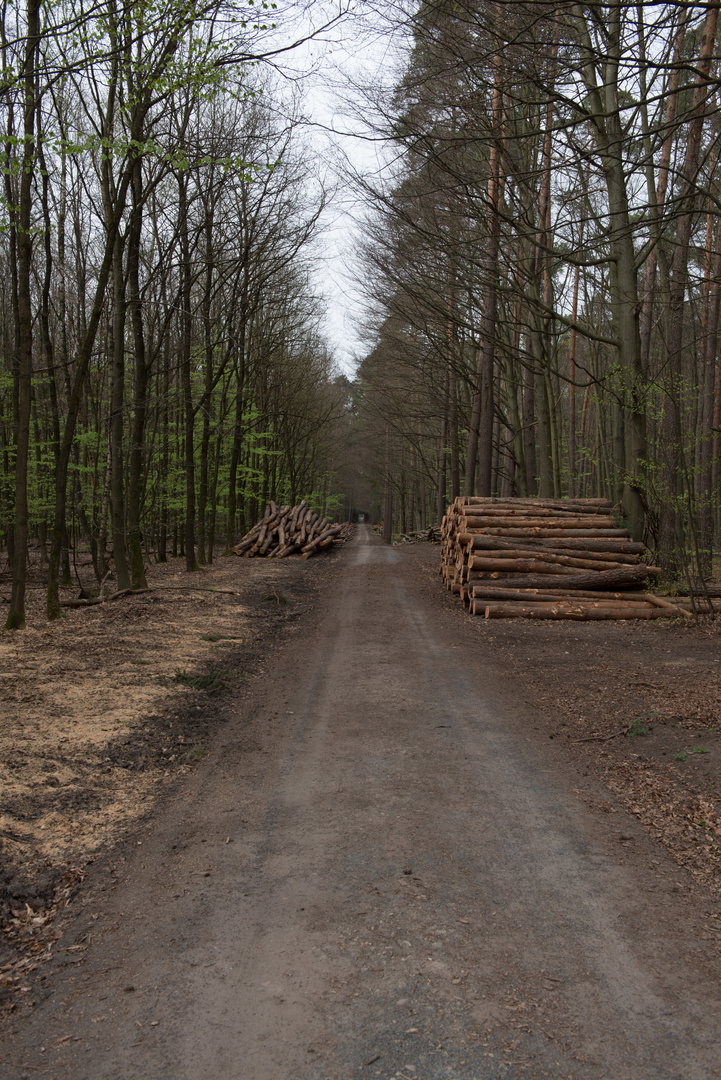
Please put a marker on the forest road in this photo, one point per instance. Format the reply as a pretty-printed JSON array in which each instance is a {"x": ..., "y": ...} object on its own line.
[{"x": 378, "y": 873}]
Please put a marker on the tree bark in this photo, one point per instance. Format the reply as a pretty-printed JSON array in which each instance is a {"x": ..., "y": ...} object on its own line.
[
  {"x": 186, "y": 331},
  {"x": 671, "y": 533},
  {"x": 16, "y": 613},
  {"x": 140, "y": 390}
]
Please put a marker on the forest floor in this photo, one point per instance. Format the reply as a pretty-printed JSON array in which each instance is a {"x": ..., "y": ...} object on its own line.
[
  {"x": 133, "y": 731},
  {"x": 103, "y": 710}
]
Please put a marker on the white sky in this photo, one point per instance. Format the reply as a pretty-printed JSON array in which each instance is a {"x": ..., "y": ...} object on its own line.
[{"x": 357, "y": 48}]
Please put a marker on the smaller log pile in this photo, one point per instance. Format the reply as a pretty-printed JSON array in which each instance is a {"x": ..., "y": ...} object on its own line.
[
  {"x": 546, "y": 559},
  {"x": 430, "y": 535},
  {"x": 287, "y": 530}
]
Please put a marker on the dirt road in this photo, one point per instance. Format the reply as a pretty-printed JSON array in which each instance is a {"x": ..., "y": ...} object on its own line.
[{"x": 378, "y": 872}]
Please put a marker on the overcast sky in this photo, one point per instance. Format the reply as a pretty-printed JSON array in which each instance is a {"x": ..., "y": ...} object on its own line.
[{"x": 357, "y": 48}]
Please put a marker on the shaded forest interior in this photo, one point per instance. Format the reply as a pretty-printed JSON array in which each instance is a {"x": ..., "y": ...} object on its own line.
[{"x": 541, "y": 260}]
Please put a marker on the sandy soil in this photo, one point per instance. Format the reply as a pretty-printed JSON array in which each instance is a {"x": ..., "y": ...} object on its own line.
[{"x": 400, "y": 857}]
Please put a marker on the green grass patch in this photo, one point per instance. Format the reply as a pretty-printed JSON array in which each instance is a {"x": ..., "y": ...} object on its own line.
[
  {"x": 211, "y": 683},
  {"x": 686, "y": 753},
  {"x": 195, "y": 753}
]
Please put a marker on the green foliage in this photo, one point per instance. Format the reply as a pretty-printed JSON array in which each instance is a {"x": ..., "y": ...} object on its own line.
[{"x": 686, "y": 753}]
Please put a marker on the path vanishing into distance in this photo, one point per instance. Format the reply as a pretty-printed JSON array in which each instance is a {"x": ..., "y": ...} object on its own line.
[{"x": 378, "y": 872}]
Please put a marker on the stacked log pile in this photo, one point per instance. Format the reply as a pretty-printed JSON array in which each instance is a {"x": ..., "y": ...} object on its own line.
[
  {"x": 546, "y": 559},
  {"x": 287, "y": 530}
]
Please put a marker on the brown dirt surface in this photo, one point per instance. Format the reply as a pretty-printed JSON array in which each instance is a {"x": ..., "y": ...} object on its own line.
[
  {"x": 399, "y": 857},
  {"x": 103, "y": 709}
]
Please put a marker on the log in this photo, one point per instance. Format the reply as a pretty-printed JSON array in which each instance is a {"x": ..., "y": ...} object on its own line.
[
  {"x": 296, "y": 514},
  {"x": 243, "y": 546},
  {"x": 328, "y": 533},
  {"x": 587, "y": 534},
  {"x": 494, "y": 500},
  {"x": 701, "y": 604},
  {"x": 260, "y": 540},
  {"x": 523, "y": 566},
  {"x": 583, "y": 603},
  {"x": 499, "y": 592},
  {"x": 505, "y": 576},
  {"x": 263, "y": 549},
  {"x": 625, "y": 547},
  {"x": 287, "y": 550},
  {"x": 660, "y": 602},
  {"x": 529, "y": 524},
  {"x": 580, "y": 611},
  {"x": 588, "y": 560},
  {"x": 624, "y": 577},
  {"x": 91, "y": 601},
  {"x": 546, "y": 556},
  {"x": 529, "y": 512},
  {"x": 591, "y": 549},
  {"x": 610, "y": 558}
]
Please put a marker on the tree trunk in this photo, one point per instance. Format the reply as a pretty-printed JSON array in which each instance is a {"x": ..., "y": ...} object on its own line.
[
  {"x": 672, "y": 541},
  {"x": 208, "y": 390},
  {"x": 606, "y": 121},
  {"x": 441, "y": 499},
  {"x": 186, "y": 331},
  {"x": 237, "y": 446},
  {"x": 480, "y": 435},
  {"x": 117, "y": 423},
  {"x": 388, "y": 490},
  {"x": 142, "y": 379},
  {"x": 16, "y": 613}
]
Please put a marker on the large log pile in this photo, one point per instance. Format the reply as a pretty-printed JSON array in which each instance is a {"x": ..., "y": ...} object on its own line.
[
  {"x": 286, "y": 530},
  {"x": 546, "y": 559}
]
